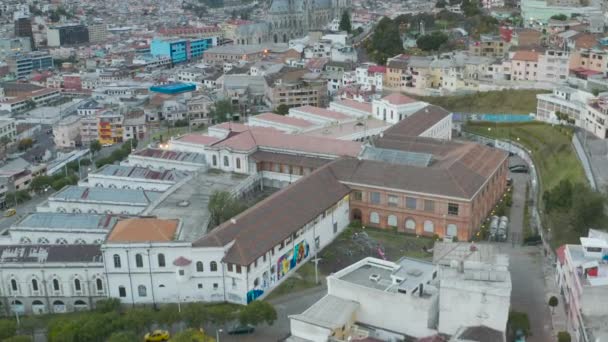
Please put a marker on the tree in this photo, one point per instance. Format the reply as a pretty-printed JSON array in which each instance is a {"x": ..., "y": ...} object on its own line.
[
  {"x": 345, "y": 24},
  {"x": 440, "y": 4},
  {"x": 553, "y": 303},
  {"x": 222, "y": 111},
  {"x": 220, "y": 314},
  {"x": 587, "y": 208},
  {"x": 94, "y": 147},
  {"x": 222, "y": 206},
  {"x": 123, "y": 336},
  {"x": 4, "y": 141},
  {"x": 29, "y": 325},
  {"x": 137, "y": 319},
  {"x": 191, "y": 335},
  {"x": 560, "y": 17},
  {"x": 258, "y": 312},
  {"x": 8, "y": 328},
  {"x": 519, "y": 321},
  {"x": 195, "y": 314},
  {"x": 470, "y": 8},
  {"x": 41, "y": 183},
  {"x": 563, "y": 336},
  {"x": 385, "y": 42},
  {"x": 25, "y": 144},
  {"x": 19, "y": 338},
  {"x": 167, "y": 315},
  {"x": 282, "y": 109},
  {"x": 108, "y": 305},
  {"x": 432, "y": 42}
]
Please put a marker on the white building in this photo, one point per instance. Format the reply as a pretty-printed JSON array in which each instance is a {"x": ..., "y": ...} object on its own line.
[
  {"x": 43, "y": 279},
  {"x": 66, "y": 132},
  {"x": 61, "y": 229},
  {"x": 395, "y": 107},
  {"x": 133, "y": 177},
  {"x": 160, "y": 159},
  {"x": 8, "y": 129},
  {"x": 78, "y": 199}
]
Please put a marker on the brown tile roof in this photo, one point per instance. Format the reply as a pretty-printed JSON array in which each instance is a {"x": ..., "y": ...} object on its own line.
[
  {"x": 263, "y": 226},
  {"x": 291, "y": 159},
  {"x": 326, "y": 113},
  {"x": 285, "y": 120},
  {"x": 418, "y": 122},
  {"x": 398, "y": 99},
  {"x": 144, "y": 230},
  {"x": 362, "y": 106},
  {"x": 526, "y": 55}
]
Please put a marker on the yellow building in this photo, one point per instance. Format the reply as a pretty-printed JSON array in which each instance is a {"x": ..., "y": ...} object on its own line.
[{"x": 110, "y": 128}]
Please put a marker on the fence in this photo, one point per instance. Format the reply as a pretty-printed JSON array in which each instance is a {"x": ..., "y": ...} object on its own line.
[{"x": 582, "y": 156}]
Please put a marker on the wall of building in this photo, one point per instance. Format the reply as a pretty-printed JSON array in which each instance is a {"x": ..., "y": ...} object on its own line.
[
  {"x": 92, "y": 207},
  {"x": 309, "y": 332},
  {"x": 57, "y": 236}
]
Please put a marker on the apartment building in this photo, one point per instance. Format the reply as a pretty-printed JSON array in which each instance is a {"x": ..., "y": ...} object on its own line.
[
  {"x": 234, "y": 53},
  {"x": 489, "y": 46},
  {"x": 22, "y": 65},
  {"x": 582, "y": 277},
  {"x": 110, "y": 128},
  {"x": 67, "y": 34},
  {"x": 8, "y": 129},
  {"x": 524, "y": 65},
  {"x": 589, "y": 59},
  {"x": 553, "y": 66},
  {"x": 295, "y": 88},
  {"x": 181, "y": 50},
  {"x": 66, "y": 132}
]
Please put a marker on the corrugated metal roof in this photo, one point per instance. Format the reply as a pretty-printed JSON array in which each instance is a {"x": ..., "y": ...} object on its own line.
[
  {"x": 67, "y": 221},
  {"x": 85, "y": 194}
]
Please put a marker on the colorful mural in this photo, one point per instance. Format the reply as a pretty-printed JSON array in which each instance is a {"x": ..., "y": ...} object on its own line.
[{"x": 284, "y": 264}]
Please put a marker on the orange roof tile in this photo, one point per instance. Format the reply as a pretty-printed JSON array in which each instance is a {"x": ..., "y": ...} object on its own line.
[
  {"x": 144, "y": 230},
  {"x": 525, "y": 55},
  {"x": 398, "y": 99}
]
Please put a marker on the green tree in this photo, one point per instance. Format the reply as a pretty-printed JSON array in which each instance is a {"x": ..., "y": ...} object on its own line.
[
  {"x": 191, "y": 335},
  {"x": 282, "y": 109},
  {"x": 440, "y": 4},
  {"x": 519, "y": 321},
  {"x": 167, "y": 315},
  {"x": 563, "y": 336},
  {"x": 222, "y": 111},
  {"x": 123, "y": 336},
  {"x": 138, "y": 320},
  {"x": 25, "y": 144},
  {"x": 560, "y": 17},
  {"x": 222, "y": 207},
  {"x": 30, "y": 324},
  {"x": 40, "y": 183},
  {"x": 94, "y": 147},
  {"x": 258, "y": 312},
  {"x": 553, "y": 303},
  {"x": 220, "y": 314},
  {"x": 470, "y": 8},
  {"x": 587, "y": 208},
  {"x": 19, "y": 338},
  {"x": 345, "y": 24},
  {"x": 108, "y": 305},
  {"x": 432, "y": 42},
  {"x": 385, "y": 42},
  {"x": 8, "y": 328}
]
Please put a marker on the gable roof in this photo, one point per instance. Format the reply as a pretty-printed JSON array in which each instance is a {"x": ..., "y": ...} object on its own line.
[
  {"x": 263, "y": 226},
  {"x": 144, "y": 230},
  {"x": 398, "y": 99},
  {"x": 418, "y": 122}
]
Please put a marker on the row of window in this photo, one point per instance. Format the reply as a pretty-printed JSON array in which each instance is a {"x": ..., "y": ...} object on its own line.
[
  {"x": 410, "y": 202},
  {"x": 142, "y": 290},
  {"x": 160, "y": 258},
  {"x": 60, "y": 241},
  {"x": 410, "y": 224},
  {"x": 56, "y": 287},
  {"x": 226, "y": 161}
]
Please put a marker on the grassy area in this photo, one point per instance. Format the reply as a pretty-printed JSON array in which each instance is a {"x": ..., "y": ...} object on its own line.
[
  {"x": 503, "y": 101},
  {"x": 346, "y": 250},
  {"x": 550, "y": 147}
]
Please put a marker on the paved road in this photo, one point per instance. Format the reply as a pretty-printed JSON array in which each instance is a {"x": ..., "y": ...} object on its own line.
[
  {"x": 22, "y": 210},
  {"x": 516, "y": 217},
  {"x": 597, "y": 152}
]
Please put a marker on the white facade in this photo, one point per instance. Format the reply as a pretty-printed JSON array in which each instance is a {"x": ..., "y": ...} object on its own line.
[
  {"x": 66, "y": 132},
  {"x": 8, "y": 129},
  {"x": 162, "y": 164},
  {"x": 386, "y": 111},
  {"x": 441, "y": 130},
  {"x": 553, "y": 66},
  {"x": 107, "y": 181}
]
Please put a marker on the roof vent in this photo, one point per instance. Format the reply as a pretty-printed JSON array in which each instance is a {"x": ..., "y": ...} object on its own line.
[
  {"x": 183, "y": 204},
  {"x": 374, "y": 277}
]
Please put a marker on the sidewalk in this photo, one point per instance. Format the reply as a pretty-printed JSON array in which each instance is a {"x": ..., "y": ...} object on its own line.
[{"x": 558, "y": 318}]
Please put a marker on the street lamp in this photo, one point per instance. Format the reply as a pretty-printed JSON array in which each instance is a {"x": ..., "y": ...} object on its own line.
[{"x": 217, "y": 335}]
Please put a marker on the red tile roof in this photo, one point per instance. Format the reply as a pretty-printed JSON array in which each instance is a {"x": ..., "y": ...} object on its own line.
[
  {"x": 362, "y": 106},
  {"x": 398, "y": 99},
  {"x": 525, "y": 55},
  {"x": 144, "y": 230},
  {"x": 198, "y": 139}
]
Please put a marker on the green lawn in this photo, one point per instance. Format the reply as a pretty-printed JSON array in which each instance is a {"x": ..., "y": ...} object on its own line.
[
  {"x": 503, "y": 101},
  {"x": 550, "y": 145},
  {"x": 304, "y": 278}
]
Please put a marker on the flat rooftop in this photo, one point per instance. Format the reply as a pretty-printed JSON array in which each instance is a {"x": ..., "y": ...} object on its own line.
[
  {"x": 65, "y": 221},
  {"x": 347, "y": 129},
  {"x": 136, "y": 172},
  {"x": 411, "y": 273},
  {"x": 156, "y": 153},
  {"x": 189, "y": 201},
  {"x": 75, "y": 193}
]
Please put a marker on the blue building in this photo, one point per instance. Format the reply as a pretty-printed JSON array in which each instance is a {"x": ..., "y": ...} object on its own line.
[
  {"x": 173, "y": 88},
  {"x": 22, "y": 65},
  {"x": 181, "y": 50}
]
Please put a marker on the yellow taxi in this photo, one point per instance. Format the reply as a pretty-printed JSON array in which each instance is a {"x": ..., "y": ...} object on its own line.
[
  {"x": 157, "y": 336},
  {"x": 10, "y": 212}
]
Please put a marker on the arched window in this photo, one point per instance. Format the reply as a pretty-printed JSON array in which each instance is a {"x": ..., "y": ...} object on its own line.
[
  {"x": 99, "y": 284},
  {"x": 139, "y": 261},
  {"x": 429, "y": 227},
  {"x": 116, "y": 261},
  {"x": 410, "y": 224},
  {"x": 14, "y": 286},
  {"x": 92, "y": 211},
  {"x": 79, "y": 242},
  {"x": 199, "y": 266},
  {"x": 77, "y": 286},
  {"x": 61, "y": 241},
  {"x": 161, "y": 260},
  {"x": 213, "y": 266},
  {"x": 55, "y": 284},
  {"x": 34, "y": 285},
  {"x": 238, "y": 163},
  {"x": 43, "y": 241},
  {"x": 142, "y": 291},
  {"x": 452, "y": 230},
  {"x": 25, "y": 241},
  {"x": 97, "y": 242},
  {"x": 392, "y": 221},
  {"x": 256, "y": 282},
  {"x": 214, "y": 159},
  {"x": 374, "y": 217},
  {"x": 226, "y": 163}
]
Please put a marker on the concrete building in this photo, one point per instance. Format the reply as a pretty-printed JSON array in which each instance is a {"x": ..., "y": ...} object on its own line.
[
  {"x": 295, "y": 88},
  {"x": 181, "y": 50},
  {"x": 110, "y": 128},
  {"x": 553, "y": 66},
  {"x": 524, "y": 65},
  {"x": 489, "y": 46},
  {"x": 160, "y": 159},
  {"x": 10, "y": 46},
  {"x": 41, "y": 279},
  {"x": 411, "y": 299},
  {"x": 97, "y": 32},
  {"x": 8, "y": 129},
  {"x": 131, "y": 177},
  {"x": 395, "y": 107},
  {"x": 582, "y": 277},
  {"x": 22, "y": 65},
  {"x": 61, "y": 229},
  {"x": 66, "y": 132},
  {"x": 67, "y": 34}
]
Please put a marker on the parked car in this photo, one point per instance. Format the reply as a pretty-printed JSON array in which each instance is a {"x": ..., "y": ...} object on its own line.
[
  {"x": 519, "y": 169},
  {"x": 10, "y": 212},
  {"x": 157, "y": 336},
  {"x": 241, "y": 329}
]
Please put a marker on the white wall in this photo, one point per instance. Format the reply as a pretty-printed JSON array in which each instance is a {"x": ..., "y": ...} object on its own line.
[
  {"x": 104, "y": 181},
  {"x": 219, "y": 157},
  {"x": 382, "y": 110},
  {"x": 440, "y": 130},
  {"x": 308, "y": 331},
  {"x": 89, "y": 236},
  {"x": 254, "y": 121},
  {"x": 92, "y": 207}
]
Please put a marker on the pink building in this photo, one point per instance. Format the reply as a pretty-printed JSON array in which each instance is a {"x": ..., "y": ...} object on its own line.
[{"x": 524, "y": 65}]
